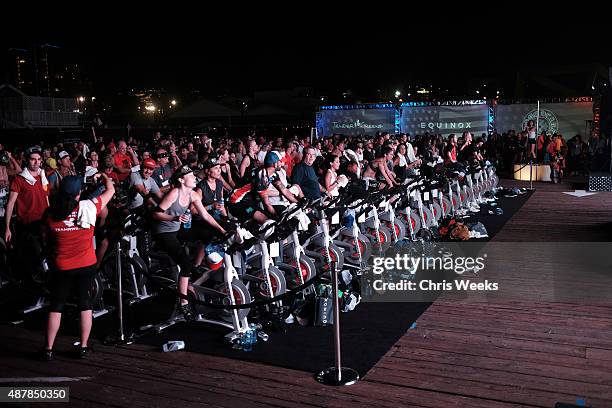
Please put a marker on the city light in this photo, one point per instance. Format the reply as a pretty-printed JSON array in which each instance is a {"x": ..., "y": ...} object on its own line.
[
  {"x": 150, "y": 108},
  {"x": 93, "y": 98},
  {"x": 397, "y": 94},
  {"x": 173, "y": 102},
  {"x": 81, "y": 99}
]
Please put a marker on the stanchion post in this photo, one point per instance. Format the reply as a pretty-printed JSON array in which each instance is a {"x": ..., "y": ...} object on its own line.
[
  {"x": 120, "y": 292},
  {"x": 120, "y": 339},
  {"x": 337, "y": 375},
  {"x": 531, "y": 174}
]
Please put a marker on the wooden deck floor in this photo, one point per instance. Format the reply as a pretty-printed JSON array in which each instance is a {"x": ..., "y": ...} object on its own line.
[{"x": 459, "y": 355}]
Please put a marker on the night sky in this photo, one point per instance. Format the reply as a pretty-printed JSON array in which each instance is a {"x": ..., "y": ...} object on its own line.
[{"x": 238, "y": 60}]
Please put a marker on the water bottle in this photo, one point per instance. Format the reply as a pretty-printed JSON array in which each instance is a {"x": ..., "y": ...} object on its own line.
[
  {"x": 173, "y": 346},
  {"x": 222, "y": 202},
  {"x": 187, "y": 224},
  {"x": 217, "y": 213},
  {"x": 247, "y": 341},
  {"x": 253, "y": 330}
]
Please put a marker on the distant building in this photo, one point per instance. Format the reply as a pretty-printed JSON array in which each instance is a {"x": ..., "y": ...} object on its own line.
[{"x": 43, "y": 70}]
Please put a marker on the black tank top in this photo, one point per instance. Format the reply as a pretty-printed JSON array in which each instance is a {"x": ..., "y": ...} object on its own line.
[{"x": 250, "y": 171}]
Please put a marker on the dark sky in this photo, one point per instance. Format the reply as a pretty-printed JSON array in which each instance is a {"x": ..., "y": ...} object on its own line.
[{"x": 239, "y": 60}]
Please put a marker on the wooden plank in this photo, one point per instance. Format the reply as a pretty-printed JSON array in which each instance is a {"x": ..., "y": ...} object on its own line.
[
  {"x": 474, "y": 341},
  {"x": 597, "y": 355},
  {"x": 458, "y": 386},
  {"x": 549, "y": 369}
]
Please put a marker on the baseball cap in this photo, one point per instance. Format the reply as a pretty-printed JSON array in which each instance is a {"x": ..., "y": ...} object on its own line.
[
  {"x": 271, "y": 158},
  {"x": 71, "y": 185},
  {"x": 149, "y": 163},
  {"x": 211, "y": 162},
  {"x": 32, "y": 150},
  {"x": 180, "y": 172},
  {"x": 62, "y": 154}
]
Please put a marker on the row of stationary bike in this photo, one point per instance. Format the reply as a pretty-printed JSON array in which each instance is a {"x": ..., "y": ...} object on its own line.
[{"x": 253, "y": 271}]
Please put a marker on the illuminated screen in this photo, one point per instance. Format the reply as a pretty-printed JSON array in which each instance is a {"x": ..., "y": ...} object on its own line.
[
  {"x": 417, "y": 120},
  {"x": 356, "y": 121},
  {"x": 569, "y": 118}
]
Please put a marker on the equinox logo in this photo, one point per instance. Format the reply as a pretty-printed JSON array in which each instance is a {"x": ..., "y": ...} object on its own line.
[{"x": 446, "y": 125}]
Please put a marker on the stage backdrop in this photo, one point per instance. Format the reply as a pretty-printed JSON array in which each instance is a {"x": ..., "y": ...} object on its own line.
[
  {"x": 567, "y": 118},
  {"x": 356, "y": 121},
  {"x": 445, "y": 119}
]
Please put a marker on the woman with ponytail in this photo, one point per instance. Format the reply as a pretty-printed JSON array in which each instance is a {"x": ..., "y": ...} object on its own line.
[{"x": 70, "y": 227}]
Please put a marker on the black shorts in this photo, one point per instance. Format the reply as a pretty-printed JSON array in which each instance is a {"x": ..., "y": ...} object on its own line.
[
  {"x": 532, "y": 141},
  {"x": 243, "y": 210},
  {"x": 74, "y": 281}
]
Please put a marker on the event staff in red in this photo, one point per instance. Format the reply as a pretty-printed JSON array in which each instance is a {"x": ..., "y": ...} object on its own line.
[
  {"x": 70, "y": 228},
  {"x": 29, "y": 192}
]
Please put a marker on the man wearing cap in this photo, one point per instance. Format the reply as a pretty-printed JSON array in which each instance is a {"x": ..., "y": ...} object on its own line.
[
  {"x": 163, "y": 170},
  {"x": 64, "y": 169},
  {"x": 142, "y": 186},
  {"x": 276, "y": 199},
  {"x": 243, "y": 202},
  {"x": 29, "y": 191},
  {"x": 70, "y": 229},
  {"x": 269, "y": 176}
]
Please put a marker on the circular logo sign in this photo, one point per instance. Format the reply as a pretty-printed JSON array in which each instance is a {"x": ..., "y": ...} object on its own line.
[{"x": 548, "y": 121}]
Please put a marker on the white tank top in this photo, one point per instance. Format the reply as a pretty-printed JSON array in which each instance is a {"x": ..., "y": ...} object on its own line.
[
  {"x": 334, "y": 192},
  {"x": 402, "y": 160}
]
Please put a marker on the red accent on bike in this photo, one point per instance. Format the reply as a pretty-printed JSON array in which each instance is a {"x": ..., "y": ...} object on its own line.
[
  {"x": 273, "y": 282},
  {"x": 332, "y": 257},
  {"x": 303, "y": 270}
]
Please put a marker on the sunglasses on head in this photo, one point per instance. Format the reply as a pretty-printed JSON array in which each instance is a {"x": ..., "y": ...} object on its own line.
[{"x": 33, "y": 150}]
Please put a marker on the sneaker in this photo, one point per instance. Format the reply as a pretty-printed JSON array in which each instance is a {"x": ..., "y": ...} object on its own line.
[
  {"x": 46, "y": 355},
  {"x": 83, "y": 352},
  {"x": 187, "y": 312}
]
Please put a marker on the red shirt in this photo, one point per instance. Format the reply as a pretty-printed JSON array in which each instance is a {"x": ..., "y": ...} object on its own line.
[
  {"x": 123, "y": 161},
  {"x": 32, "y": 199},
  {"x": 72, "y": 244},
  {"x": 288, "y": 161}
]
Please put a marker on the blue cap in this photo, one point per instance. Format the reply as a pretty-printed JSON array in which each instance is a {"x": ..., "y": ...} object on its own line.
[
  {"x": 71, "y": 185},
  {"x": 271, "y": 158}
]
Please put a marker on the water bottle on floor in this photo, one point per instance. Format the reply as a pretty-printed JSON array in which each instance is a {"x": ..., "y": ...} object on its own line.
[
  {"x": 173, "y": 346},
  {"x": 253, "y": 330},
  {"x": 247, "y": 341}
]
